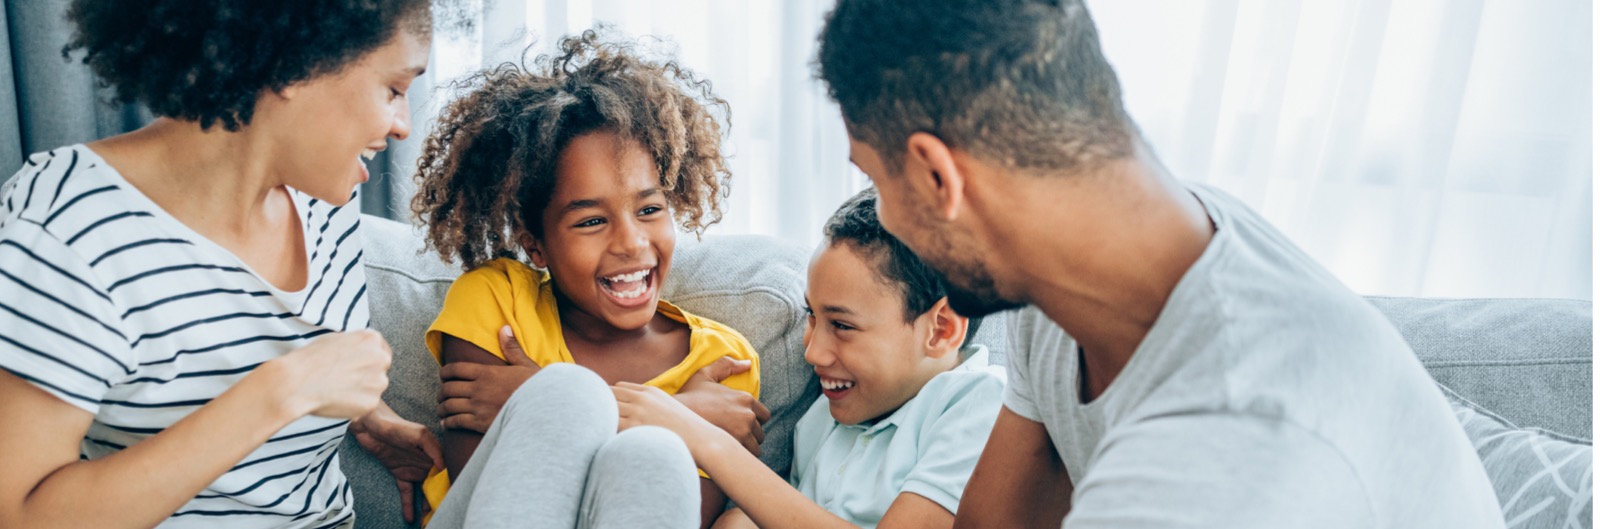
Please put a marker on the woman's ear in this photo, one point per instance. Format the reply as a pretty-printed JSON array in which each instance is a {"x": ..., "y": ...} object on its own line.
[{"x": 947, "y": 330}]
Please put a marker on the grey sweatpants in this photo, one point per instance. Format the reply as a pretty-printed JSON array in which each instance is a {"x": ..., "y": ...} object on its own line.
[{"x": 554, "y": 459}]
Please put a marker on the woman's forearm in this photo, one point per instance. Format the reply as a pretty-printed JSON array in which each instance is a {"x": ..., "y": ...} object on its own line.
[{"x": 146, "y": 483}]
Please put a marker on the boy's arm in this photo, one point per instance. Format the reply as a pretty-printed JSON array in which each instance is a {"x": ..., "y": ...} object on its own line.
[
  {"x": 761, "y": 494},
  {"x": 1020, "y": 480}
]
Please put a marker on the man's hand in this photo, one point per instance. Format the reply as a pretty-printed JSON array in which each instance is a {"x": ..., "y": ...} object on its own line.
[
  {"x": 472, "y": 394},
  {"x": 409, "y": 450},
  {"x": 734, "y": 411}
]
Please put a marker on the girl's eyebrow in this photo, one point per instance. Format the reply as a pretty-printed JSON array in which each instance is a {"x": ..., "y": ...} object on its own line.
[{"x": 586, "y": 203}]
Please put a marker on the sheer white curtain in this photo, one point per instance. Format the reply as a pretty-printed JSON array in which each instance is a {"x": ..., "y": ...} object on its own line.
[{"x": 1414, "y": 147}]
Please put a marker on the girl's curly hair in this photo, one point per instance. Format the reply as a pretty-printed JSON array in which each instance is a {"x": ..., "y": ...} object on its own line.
[
  {"x": 488, "y": 169},
  {"x": 210, "y": 61}
]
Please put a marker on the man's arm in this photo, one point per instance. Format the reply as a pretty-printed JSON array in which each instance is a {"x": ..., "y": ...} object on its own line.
[{"x": 1020, "y": 480}]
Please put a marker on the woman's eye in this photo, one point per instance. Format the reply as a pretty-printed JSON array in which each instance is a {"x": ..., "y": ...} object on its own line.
[
  {"x": 393, "y": 94},
  {"x": 589, "y": 223}
]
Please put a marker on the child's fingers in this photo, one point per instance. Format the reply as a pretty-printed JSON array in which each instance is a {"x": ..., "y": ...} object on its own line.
[
  {"x": 464, "y": 421},
  {"x": 723, "y": 368},
  {"x": 460, "y": 371},
  {"x": 513, "y": 350}
]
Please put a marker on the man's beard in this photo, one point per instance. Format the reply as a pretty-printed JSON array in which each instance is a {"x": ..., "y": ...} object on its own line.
[{"x": 980, "y": 298}]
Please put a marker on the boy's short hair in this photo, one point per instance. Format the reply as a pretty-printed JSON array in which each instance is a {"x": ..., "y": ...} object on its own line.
[{"x": 920, "y": 286}]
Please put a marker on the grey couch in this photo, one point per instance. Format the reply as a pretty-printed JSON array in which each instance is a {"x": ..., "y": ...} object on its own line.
[{"x": 1529, "y": 361}]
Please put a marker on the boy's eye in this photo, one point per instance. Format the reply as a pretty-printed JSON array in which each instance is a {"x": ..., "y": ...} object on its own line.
[
  {"x": 589, "y": 223},
  {"x": 843, "y": 326}
]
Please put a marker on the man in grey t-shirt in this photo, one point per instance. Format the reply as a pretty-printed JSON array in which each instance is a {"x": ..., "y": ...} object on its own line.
[{"x": 1183, "y": 365}]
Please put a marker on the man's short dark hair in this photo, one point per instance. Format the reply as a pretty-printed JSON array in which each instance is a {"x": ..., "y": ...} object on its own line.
[
  {"x": 1022, "y": 83},
  {"x": 920, "y": 286}
]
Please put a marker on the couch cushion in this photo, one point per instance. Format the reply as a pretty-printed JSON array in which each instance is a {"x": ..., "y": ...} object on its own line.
[
  {"x": 750, "y": 283},
  {"x": 405, "y": 289},
  {"x": 1528, "y": 360},
  {"x": 1542, "y": 479}
]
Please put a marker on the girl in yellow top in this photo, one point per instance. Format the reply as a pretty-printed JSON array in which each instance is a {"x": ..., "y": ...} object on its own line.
[{"x": 581, "y": 167}]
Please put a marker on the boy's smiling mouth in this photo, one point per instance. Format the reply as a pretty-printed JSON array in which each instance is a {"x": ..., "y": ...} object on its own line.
[
  {"x": 629, "y": 288},
  {"x": 835, "y": 388}
]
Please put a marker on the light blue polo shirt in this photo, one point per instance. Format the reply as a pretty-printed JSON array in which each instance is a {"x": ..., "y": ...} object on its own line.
[{"x": 928, "y": 447}]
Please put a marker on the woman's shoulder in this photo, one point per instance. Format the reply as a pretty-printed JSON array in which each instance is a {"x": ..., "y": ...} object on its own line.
[{"x": 50, "y": 183}]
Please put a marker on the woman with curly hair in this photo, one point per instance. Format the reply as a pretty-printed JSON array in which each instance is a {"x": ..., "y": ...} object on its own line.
[
  {"x": 183, "y": 307},
  {"x": 557, "y": 189}
]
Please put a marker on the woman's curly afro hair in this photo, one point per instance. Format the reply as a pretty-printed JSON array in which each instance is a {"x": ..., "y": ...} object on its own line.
[
  {"x": 488, "y": 169},
  {"x": 210, "y": 61}
]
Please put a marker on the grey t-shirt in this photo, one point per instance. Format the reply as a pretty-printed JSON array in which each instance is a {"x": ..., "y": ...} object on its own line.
[{"x": 1265, "y": 395}]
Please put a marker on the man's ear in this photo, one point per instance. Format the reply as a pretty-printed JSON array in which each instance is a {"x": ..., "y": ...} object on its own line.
[
  {"x": 932, "y": 170},
  {"x": 535, "y": 249},
  {"x": 947, "y": 330}
]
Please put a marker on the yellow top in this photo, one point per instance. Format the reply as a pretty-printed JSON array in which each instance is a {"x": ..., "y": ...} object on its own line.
[{"x": 507, "y": 292}]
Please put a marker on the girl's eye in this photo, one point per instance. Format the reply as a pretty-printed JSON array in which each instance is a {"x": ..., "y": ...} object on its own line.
[
  {"x": 649, "y": 210},
  {"x": 589, "y": 223}
]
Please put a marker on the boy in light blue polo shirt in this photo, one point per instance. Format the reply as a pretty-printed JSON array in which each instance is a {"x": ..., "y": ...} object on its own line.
[{"x": 907, "y": 405}]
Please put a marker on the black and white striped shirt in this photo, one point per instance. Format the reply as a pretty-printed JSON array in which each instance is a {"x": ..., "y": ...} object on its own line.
[{"x": 111, "y": 304}]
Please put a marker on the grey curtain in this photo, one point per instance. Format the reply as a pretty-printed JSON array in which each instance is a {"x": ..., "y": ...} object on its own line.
[{"x": 47, "y": 101}]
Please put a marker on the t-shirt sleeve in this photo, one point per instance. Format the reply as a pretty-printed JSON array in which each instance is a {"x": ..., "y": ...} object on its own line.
[
  {"x": 59, "y": 329},
  {"x": 474, "y": 310},
  {"x": 1210, "y": 470},
  {"x": 950, "y": 446},
  {"x": 1018, "y": 391}
]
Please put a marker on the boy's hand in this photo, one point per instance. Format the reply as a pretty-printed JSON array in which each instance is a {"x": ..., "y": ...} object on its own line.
[
  {"x": 640, "y": 405},
  {"x": 734, "y": 411},
  {"x": 472, "y": 394},
  {"x": 408, "y": 449}
]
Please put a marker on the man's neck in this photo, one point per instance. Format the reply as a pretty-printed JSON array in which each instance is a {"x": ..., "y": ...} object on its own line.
[{"x": 1103, "y": 252}]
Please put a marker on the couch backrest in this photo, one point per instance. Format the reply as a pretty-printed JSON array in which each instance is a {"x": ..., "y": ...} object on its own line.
[{"x": 1529, "y": 361}]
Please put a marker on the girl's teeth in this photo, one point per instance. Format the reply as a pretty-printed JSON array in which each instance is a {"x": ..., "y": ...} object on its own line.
[{"x": 624, "y": 278}]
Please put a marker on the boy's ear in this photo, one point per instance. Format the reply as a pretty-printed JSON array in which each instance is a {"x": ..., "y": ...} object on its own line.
[
  {"x": 947, "y": 330},
  {"x": 932, "y": 170}
]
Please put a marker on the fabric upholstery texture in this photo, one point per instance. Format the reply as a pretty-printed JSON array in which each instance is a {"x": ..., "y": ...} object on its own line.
[{"x": 1543, "y": 479}]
